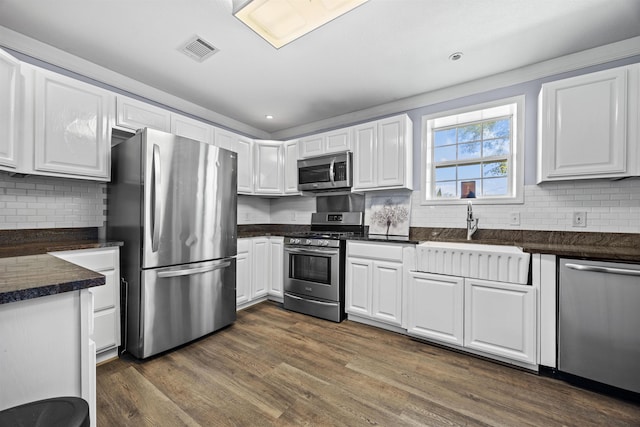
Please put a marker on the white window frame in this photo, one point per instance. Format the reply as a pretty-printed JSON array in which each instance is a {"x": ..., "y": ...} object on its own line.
[{"x": 475, "y": 113}]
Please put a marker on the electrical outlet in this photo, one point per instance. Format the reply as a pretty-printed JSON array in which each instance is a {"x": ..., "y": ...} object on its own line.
[
  {"x": 514, "y": 218},
  {"x": 579, "y": 219}
]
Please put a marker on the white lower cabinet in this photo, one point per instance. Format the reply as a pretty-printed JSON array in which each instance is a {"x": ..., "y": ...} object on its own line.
[
  {"x": 500, "y": 319},
  {"x": 259, "y": 270},
  {"x": 493, "y": 318},
  {"x": 106, "y": 310},
  {"x": 436, "y": 307},
  {"x": 374, "y": 278}
]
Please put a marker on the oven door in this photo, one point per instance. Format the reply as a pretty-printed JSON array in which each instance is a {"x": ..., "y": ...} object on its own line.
[{"x": 312, "y": 272}]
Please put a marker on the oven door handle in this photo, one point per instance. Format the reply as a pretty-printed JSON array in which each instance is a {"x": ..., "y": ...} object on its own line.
[
  {"x": 313, "y": 251},
  {"x": 331, "y": 304}
]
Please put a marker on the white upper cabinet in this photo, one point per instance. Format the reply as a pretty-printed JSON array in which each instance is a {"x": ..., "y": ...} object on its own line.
[
  {"x": 325, "y": 143},
  {"x": 588, "y": 126},
  {"x": 269, "y": 167},
  {"x": 71, "y": 127},
  {"x": 9, "y": 109},
  {"x": 244, "y": 147},
  {"x": 133, "y": 114},
  {"x": 383, "y": 154},
  {"x": 291, "y": 167},
  {"x": 191, "y": 128}
]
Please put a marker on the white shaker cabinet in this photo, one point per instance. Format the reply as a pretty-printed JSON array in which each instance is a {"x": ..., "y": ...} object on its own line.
[
  {"x": 276, "y": 266},
  {"x": 436, "y": 307},
  {"x": 500, "y": 318},
  {"x": 253, "y": 270},
  {"x": 269, "y": 167},
  {"x": 291, "y": 167},
  {"x": 191, "y": 128},
  {"x": 374, "y": 281},
  {"x": 106, "y": 309},
  {"x": 243, "y": 272},
  {"x": 588, "y": 126},
  {"x": 133, "y": 115},
  {"x": 325, "y": 143},
  {"x": 9, "y": 110},
  {"x": 383, "y": 154},
  {"x": 71, "y": 127},
  {"x": 244, "y": 147}
]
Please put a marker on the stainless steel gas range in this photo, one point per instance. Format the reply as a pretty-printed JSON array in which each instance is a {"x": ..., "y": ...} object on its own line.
[{"x": 314, "y": 264}]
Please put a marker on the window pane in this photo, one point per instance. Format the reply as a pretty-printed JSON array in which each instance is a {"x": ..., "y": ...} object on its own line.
[
  {"x": 495, "y": 147},
  {"x": 446, "y": 174},
  {"x": 444, "y": 137},
  {"x": 470, "y": 133},
  {"x": 496, "y": 129},
  {"x": 446, "y": 189},
  {"x": 468, "y": 172},
  {"x": 443, "y": 154},
  {"x": 469, "y": 151},
  {"x": 494, "y": 169},
  {"x": 495, "y": 187}
]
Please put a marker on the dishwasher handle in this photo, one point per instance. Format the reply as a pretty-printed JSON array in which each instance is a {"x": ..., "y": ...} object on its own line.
[{"x": 599, "y": 269}]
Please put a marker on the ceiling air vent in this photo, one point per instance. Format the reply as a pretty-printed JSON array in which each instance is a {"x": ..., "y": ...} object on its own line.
[{"x": 198, "y": 49}]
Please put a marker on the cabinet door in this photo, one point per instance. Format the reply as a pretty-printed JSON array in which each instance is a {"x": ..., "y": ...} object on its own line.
[
  {"x": 391, "y": 152},
  {"x": 72, "y": 127},
  {"x": 260, "y": 271},
  {"x": 358, "y": 286},
  {"x": 269, "y": 167},
  {"x": 244, "y": 147},
  {"x": 276, "y": 253},
  {"x": 225, "y": 139},
  {"x": 435, "y": 307},
  {"x": 311, "y": 146},
  {"x": 243, "y": 272},
  {"x": 9, "y": 90},
  {"x": 190, "y": 128},
  {"x": 291, "y": 167},
  {"x": 364, "y": 156},
  {"x": 337, "y": 140},
  {"x": 583, "y": 126},
  {"x": 133, "y": 114},
  {"x": 500, "y": 319},
  {"x": 386, "y": 294}
]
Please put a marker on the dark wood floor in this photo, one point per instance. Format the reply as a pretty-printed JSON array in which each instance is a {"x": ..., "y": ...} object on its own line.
[{"x": 275, "y": 367}]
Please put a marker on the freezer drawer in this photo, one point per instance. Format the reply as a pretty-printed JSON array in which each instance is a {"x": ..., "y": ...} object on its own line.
[
  {"x": 599, "y": 321},
  {"x": 181, "y": 303}
]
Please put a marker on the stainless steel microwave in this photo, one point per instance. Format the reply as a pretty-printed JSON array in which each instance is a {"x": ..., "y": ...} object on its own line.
[{"x": 326, "y": 173}]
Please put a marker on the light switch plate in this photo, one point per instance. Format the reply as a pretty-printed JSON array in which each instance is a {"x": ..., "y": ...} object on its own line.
[{"x": 579, "y": 219}]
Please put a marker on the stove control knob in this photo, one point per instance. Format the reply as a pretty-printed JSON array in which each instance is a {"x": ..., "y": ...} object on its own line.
[
  {"x": 308, "y": 242},
  {"x": 295, "y": 241},
  {"x": 325, "y": 243}
]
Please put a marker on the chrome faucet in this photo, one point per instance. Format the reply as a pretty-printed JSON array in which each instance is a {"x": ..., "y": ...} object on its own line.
[{"x": 472, "y": 223}]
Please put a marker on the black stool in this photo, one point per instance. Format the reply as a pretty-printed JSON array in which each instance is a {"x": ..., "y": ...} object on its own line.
[{"x": 55, "y": 412}]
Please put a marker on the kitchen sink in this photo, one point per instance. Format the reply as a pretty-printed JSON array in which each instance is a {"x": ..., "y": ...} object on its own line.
[{"x": 474, "y": 260}]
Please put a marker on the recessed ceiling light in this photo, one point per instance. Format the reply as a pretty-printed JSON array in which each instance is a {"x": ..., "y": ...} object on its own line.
[
  {"x": 268, "y": 117},
  {"x": 455, "y": 56}
]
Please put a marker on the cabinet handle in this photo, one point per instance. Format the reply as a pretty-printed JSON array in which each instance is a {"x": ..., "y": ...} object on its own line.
[{"x": 598, "y": 269}]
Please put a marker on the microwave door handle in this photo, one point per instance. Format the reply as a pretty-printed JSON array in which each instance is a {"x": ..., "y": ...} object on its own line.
[{"x": 332, "y": 172}]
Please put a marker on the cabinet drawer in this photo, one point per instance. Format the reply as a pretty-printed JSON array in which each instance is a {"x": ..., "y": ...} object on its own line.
[
  {"x": 105, "y": 296},
  {"x": 105, "y": 334},
  {"x": 93, "y": 260},
  {"x": 375, "y": 251}
]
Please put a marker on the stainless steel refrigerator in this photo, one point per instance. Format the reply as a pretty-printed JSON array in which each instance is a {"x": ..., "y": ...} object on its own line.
[{"x": 172, "y": 200}]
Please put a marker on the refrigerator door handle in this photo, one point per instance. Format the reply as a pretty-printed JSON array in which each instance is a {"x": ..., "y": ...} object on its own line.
[
  {"x": 598, "y": 269},
  {"x": 157, "y": 200},
  {"x": 191, "y": 271}
]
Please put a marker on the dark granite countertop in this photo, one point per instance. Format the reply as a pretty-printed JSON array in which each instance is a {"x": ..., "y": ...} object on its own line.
[
  {"x": 40, "y": 241},
  {"x": 604, "y": 246},
  {"x": 34, "y": 276}
]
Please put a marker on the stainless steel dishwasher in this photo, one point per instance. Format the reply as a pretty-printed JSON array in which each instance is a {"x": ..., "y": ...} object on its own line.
[{"x": 599, "y": 322}]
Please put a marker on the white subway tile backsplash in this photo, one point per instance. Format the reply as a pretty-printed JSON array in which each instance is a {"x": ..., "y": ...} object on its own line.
[{"x": 43, "y": 202}]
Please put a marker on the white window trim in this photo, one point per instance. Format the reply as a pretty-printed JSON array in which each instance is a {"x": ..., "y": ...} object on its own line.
[{"x": 428, "y": 172}]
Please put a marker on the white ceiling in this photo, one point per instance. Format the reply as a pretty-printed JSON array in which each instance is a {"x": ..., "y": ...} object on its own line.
[{"x": 383, "y": 51}]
